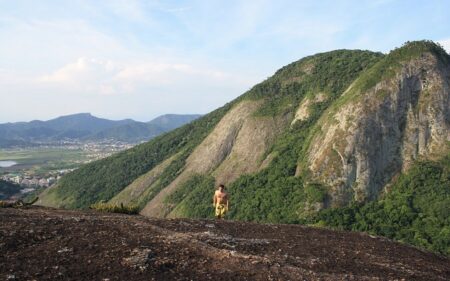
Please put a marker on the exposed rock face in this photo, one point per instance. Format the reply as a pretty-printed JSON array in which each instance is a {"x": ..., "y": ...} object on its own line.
[
  {"x": 219, "y": 144},
  {"x": 303, "y": 109},
  {"x": 366, "y": 142},
  {"x": 253, "y": 140},
  {"x": 236, "y": 144}
]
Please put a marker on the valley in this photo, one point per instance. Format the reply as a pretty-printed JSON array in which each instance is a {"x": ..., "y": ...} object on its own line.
[
  {"x": 36, "y": 154},
  {"x": 38, "y": 167}
]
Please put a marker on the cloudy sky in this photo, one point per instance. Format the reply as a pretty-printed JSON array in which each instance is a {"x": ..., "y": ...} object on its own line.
[{"x": 140, "y": 59}]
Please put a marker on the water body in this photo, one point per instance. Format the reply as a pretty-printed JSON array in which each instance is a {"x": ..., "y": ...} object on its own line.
[{"x": 6, "y": 164}]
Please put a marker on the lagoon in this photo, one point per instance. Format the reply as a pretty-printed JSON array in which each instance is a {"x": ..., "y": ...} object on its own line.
[{"x": 6, "y": 164}]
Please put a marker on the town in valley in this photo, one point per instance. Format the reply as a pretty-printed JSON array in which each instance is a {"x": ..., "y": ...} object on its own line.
[{"x": 42, "y": 165}]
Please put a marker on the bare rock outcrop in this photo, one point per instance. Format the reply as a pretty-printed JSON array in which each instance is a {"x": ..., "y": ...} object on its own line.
[
  {"x": 364, "y": 143},
  {"x": 253, "y": 140},
  {"x": 49, "y": 244},
  {"x": 303, "y": 111},
  {"x": 208, "y": 155}
]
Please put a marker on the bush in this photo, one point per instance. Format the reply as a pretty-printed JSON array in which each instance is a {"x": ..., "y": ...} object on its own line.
[
  {"x": 114, "y": 208},
  {"x": 315, "y": 192}
]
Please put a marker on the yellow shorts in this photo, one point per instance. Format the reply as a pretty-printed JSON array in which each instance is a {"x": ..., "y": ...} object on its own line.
[{"x": 221, "y": 210}]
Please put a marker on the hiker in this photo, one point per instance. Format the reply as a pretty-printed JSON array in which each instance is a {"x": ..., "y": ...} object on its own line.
[{"x": 221, "y": 202}]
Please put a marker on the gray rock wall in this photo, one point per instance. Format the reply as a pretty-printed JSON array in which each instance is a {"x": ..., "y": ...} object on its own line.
[{"x": 363, "y": 145}]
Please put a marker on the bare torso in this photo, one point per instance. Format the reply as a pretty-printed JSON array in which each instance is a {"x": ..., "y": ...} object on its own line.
[{"x": 221, "y": 197}]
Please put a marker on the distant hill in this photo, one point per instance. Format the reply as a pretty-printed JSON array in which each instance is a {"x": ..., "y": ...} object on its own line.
[
  {"x": 172, "y": 121},
  {"x": 84, "y": 126},
  {"x": 138, "y": 131}
]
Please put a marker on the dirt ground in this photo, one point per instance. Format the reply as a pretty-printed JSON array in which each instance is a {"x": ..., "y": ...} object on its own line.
[{"x": 48, "y": 244}]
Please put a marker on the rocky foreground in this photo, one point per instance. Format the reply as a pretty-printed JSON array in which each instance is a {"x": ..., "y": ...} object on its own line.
[{"x": 49, "y": 244}]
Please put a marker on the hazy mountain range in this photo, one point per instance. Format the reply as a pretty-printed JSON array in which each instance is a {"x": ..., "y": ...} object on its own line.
[{"x": 84, "y": 126}]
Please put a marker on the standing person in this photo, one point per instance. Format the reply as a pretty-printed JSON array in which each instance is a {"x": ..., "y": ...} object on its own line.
[{"x": 221, "y": 202}]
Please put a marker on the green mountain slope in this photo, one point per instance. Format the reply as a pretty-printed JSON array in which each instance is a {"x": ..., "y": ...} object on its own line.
[
  {"x": 329, "y": 133},
  {"x": 103, "y": 179}
]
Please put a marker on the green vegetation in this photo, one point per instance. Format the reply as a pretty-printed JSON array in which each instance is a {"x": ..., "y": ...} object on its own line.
[
  {"x": 275, "y": 194},
  {"x": 113, "y": 208},
  {"x": 31, "y": 196},
  {"x": 8, "y": 189},
  {"x": 267, "y": 197},
  {"x": 168, "y": 175},
  {"x": 315, "y": 192},
  {"x": 415, "y": 211},
  {"x": 330, "y": 73},
  {"x": 42, "y": 160},
  {"x": 194, "y": 198},
  {"x": 389, "y": 65},
  {"x": 101, "y": 180}
]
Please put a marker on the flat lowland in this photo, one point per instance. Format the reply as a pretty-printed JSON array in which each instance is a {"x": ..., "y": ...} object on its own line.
[
  {"x": 48, "y": 244},
  {"x": 43, "y": 159}
]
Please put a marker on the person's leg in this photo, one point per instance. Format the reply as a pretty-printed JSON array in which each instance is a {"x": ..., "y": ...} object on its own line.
[
  {"x": 222, "y": 212},
  {"x": 217, "y": 213}
]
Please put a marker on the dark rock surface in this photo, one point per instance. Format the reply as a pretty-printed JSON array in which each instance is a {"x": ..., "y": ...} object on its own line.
[{"x": 48, "y": 244}]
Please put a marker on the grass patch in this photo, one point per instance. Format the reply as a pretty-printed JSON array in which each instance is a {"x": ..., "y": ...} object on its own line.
[
  {"x": 43, "y": 160},
  {"x": 115, "y": 208}
]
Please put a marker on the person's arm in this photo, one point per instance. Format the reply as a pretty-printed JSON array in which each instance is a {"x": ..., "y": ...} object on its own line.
[
  {"x": 228, "y": 201},
  {"x": 214, "y": 200}
]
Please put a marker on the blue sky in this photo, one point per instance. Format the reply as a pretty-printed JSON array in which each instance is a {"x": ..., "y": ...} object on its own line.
[{"x": 141, "y": 59}]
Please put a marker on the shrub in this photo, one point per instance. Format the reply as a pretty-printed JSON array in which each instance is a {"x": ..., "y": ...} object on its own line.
[{"x": 114, "y": 208}]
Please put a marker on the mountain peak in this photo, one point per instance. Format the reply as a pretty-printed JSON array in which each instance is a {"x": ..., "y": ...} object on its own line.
[{"x": 414, "y": 49}]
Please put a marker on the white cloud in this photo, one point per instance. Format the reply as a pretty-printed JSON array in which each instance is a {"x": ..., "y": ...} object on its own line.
[
  {"x": 84, "y": 69},
  {"x": 85, "y": 74},
  {"x": 107, "y": 77}
]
